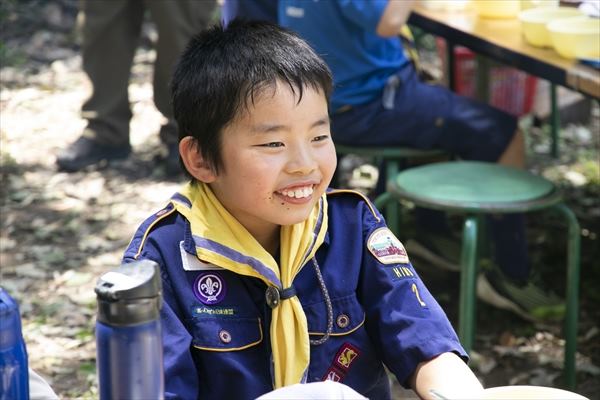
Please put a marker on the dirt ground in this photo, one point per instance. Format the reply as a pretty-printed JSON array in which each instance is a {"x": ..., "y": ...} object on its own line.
[{"x": 60, "y": 232}]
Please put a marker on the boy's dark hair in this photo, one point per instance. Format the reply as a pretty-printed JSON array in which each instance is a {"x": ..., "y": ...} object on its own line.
[{"x": 222, "y": 69}]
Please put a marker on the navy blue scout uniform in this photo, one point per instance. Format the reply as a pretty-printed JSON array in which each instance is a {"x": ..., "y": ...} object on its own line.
[{"x": 216, "y": 323}]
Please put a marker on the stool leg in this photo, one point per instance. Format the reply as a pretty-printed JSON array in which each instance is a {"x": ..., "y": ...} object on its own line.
[
  {"x": 572, "y": 294},
  {"x": 554, "y": 120},
  {"x": 382, "y": 200},
  {"x": 468, "y": 275},
  {"x": 483, "y": 78},
  {"x": 483, "y": 248},
  {"x": 392, "y": 209},
  {"x": 450, "y": 67}
]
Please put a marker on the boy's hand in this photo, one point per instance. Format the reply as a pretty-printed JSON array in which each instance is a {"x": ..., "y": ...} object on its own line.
[{"x": 448, "y": 376}]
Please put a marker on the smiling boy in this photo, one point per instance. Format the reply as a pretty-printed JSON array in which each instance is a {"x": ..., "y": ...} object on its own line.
[
  {"x": 269, "y": 278},
  {"x": 278, "y": 159}
]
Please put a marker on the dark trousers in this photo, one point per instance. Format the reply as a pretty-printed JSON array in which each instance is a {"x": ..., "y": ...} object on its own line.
[{"x": 111, "y": 33}]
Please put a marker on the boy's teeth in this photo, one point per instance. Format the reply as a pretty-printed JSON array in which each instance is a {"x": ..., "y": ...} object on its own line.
[{"x": 298, "y": 193}]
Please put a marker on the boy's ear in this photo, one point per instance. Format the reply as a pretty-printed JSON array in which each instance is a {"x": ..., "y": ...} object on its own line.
[{"x": 194, "y": 163}]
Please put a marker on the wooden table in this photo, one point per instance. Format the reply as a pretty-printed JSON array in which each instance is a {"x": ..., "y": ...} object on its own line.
[{"x": 502, "y": 40}]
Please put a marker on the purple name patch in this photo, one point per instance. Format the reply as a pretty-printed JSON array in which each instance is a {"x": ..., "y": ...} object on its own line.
[{"x": 209, "y": 288}]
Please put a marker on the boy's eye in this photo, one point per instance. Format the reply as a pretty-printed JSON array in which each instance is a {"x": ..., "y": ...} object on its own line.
[
  {"x": 272, "y": 144},
  {"x": 320, "y": 138}
]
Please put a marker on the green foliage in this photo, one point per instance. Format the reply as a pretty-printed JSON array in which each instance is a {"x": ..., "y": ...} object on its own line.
[
  {"x": 591, "y": 170},
  {"x": 88, "y": 367},
  {"x": 11, "y": 57},
  {"x": 85, "y": 335},
  {"x": 9, "y": 13},
  {"x": 5, "y": 9},
  {"x": 7, "y": 162}
]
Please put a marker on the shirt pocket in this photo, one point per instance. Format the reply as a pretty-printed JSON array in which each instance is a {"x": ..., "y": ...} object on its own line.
[
  {"x": 227, "y": 334},
  {"x": 348, "y": 316}
]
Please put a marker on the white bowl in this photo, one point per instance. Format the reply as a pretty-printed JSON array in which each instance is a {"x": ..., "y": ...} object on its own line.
[
  {"x": 534, "y": 23},
  {"x": 525, "y": 392},
  {"x": 577, "y": 37}
]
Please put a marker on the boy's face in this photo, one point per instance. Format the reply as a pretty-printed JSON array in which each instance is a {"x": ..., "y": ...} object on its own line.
[{"x": 278, "y": 159}]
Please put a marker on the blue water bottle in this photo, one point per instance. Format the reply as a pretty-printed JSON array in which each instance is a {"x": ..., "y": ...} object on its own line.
[
  {"x": 128, "y": 335},
  {"x": 14, "y": 375}
]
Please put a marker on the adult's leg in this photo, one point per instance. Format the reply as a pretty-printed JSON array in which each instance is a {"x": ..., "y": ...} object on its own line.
[
  {"x": 111, "y": 31},
  {"x": 514, "y": 154},
  {"x": 508, "y": 230},
  {"x": 427, "y": 116},
  {"x": 176, "y": 22}
]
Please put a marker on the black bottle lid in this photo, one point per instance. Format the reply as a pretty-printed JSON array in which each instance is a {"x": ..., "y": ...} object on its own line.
[{"x": 129, "y": 294}]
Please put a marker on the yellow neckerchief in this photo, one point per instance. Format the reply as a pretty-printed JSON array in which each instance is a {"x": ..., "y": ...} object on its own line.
[{"x": 221, "y": 240}]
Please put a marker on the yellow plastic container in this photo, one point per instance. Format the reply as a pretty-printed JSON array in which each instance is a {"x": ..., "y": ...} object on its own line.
[
  {"x": 497, "y": 8},
  {"x": 527, "y": 4},
  {"x": 577, "y": 37},
  {"x": 449, "y": 5},
  {"x": 535, "y": 20}
]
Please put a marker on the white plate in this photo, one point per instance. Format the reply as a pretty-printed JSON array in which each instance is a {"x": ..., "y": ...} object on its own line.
[{"x": 525, "y": 392}]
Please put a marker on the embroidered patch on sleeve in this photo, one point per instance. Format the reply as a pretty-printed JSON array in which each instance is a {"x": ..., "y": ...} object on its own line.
[
  {"x": 345, "y": 356},
  {"x": 333, "y": 375},
  {"x": 163, "y": 212},
  {"x": 386, "y": 248}
]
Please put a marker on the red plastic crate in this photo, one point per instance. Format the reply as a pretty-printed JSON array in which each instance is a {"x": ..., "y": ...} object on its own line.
[{"x": 510, "y": 90}]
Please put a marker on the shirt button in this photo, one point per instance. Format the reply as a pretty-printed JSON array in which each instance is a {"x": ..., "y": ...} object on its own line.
[
  {"x": 225, "y": 336},
  {"x": 343, "y": 320},
  {"x": 272, "y": 296}
]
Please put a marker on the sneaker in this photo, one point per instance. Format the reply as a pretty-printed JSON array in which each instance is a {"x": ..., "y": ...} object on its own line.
[
  {"x": 364, "y": 178},
  {"x": 85, "y": 152},
  {"x": 528, "y": 300},
  {"x": 438, "y": 250}
]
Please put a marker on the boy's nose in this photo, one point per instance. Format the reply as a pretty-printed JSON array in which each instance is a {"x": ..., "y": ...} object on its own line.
[{"x": 302, "y": 161}]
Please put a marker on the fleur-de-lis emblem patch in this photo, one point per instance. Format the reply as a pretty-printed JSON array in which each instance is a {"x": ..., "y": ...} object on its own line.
[{"x": 209, "y": 288}]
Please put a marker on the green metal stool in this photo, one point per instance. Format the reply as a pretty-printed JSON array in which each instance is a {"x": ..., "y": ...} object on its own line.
[
  {"x": 392, "y": 156},
  {"x": 475, "y": 189}
]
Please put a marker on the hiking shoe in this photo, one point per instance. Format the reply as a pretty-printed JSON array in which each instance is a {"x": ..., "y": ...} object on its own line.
[
  {"x": 439, "y": 250},
  {"x": 364, "y": 178},
  {"x": 85, "y": 152},
  {"x": 528, "y": 300}
]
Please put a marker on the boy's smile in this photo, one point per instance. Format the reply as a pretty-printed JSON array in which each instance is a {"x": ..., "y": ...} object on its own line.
[
  {"x": 278, "y": 159},
  {"x": 297, "y": 193}
]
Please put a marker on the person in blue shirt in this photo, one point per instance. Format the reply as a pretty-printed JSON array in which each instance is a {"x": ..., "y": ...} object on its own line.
[
  {"x": 379, "y": 100},
  {"x": 259, "y": 10},
  {"x": 270, "y": 279}
]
